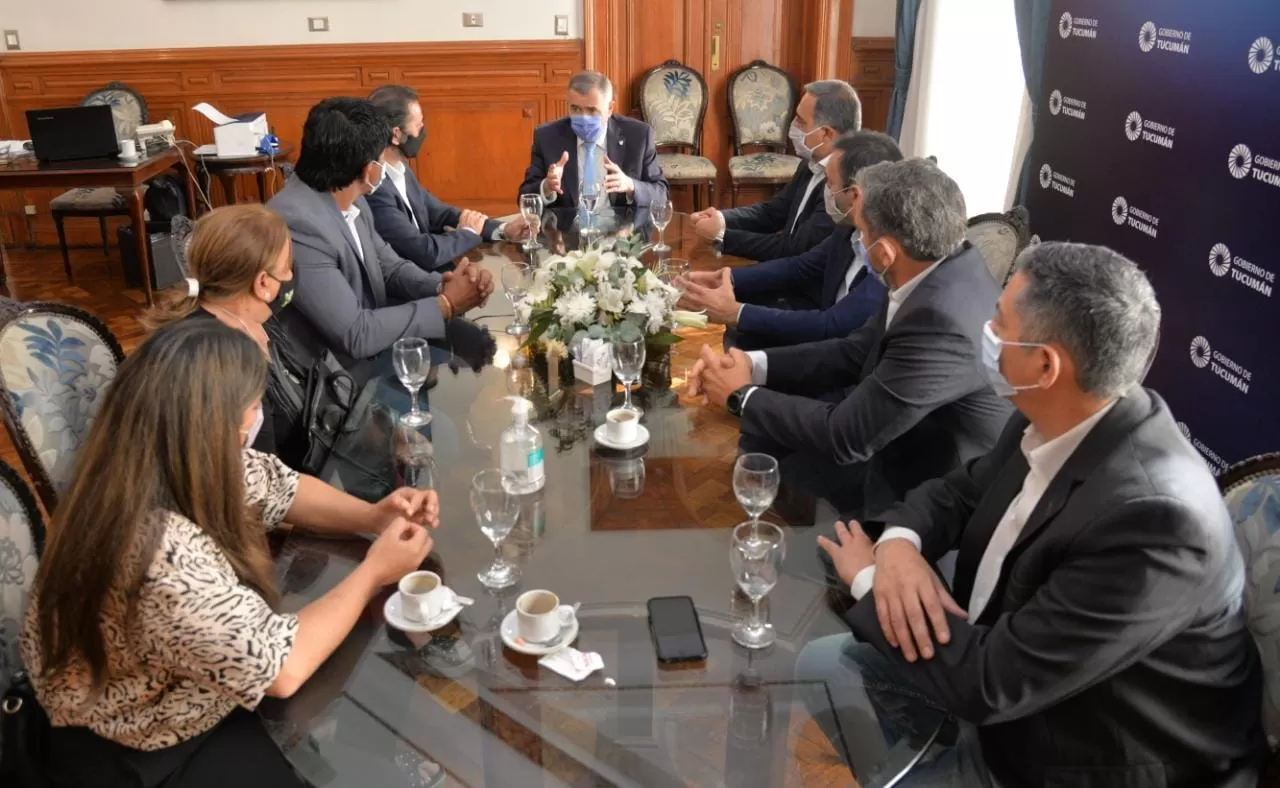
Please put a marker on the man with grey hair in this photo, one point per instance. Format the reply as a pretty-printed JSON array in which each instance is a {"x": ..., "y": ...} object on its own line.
[
  {"x": 1096, "y": 624},
  {"x": 795, "y": 219},
  {"x": 593, "y": 147},
  {"x": 902, "y": 399}
]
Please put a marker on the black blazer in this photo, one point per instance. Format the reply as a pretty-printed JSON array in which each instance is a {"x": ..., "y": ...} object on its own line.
[
  {"x": 628, "y": 143},
  {"x": 763, "y": 231},
  {"x": 918, "y": 403},
  {"x": 1114, "y": 651},
  {"x": 424, "y": 241}
]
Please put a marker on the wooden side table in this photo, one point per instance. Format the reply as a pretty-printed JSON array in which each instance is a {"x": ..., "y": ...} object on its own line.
[{"x": 226, "y": 170}]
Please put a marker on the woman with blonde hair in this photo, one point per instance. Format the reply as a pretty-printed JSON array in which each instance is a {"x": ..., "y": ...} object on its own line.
[{"x": 154, "y": 629}]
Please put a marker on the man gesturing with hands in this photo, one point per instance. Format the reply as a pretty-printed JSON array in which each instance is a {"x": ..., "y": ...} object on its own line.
[{"x": 1097, "y": 605}]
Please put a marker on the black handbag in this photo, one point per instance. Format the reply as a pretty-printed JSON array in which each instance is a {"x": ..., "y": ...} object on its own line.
[
  {"x": 311, "y": 399},
  {"x": 24, "y": 736}
]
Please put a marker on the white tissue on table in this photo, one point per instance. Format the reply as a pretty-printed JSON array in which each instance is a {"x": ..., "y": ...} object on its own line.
[
  {"x": 593, "y": 353},
  {"x": 573, "y": 664}
]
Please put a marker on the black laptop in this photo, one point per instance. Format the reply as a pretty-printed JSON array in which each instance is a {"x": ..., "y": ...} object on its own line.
[{"x": 70, "y": 133}]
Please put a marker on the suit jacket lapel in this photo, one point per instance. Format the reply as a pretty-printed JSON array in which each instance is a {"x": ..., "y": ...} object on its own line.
[
  {"x": 990, "y": 511},
  {"x": 340, "y": 227},
  {"x": 413, "y": 208},
  {"x": 570, "y": 177},
  {"x": 802, "y": 177},
  {"x": 835, "y": 273},
  {"x": 369, "y": 261}
]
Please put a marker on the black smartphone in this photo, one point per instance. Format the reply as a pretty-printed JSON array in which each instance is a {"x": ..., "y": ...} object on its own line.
[{"x": 677, "y": 634}]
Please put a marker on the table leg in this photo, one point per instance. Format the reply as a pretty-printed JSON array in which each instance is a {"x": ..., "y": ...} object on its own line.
[
  {"x": 228, "y": 187},
  {"x": 189, "y": 180},
  {"x": 143, "y": 242},
  {"x": 262, "y": 186}
]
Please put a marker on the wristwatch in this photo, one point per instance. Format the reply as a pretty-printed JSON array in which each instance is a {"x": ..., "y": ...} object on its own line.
[{"x": 734, "y": 403}]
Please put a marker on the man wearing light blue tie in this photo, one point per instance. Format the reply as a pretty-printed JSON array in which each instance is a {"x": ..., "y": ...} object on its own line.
[{"x": 592, "y": 146}]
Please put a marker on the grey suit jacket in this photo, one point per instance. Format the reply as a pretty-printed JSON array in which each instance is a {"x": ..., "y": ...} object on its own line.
[{"x": 357, "y": 307}]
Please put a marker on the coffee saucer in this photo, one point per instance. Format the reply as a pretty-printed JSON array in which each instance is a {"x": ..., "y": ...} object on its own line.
[
  {"x": 393, "y": 612},
  {"x": 602, "y": 438},
  {"x": 511, "y": 637}
]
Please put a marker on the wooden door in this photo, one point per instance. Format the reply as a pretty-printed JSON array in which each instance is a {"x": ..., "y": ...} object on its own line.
[{"x": 626, "y": 38}]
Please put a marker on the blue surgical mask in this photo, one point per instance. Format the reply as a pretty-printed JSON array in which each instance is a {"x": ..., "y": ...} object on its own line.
[
  {"x": 587, "y": 127},
  {"x": 992, "y": 347}
]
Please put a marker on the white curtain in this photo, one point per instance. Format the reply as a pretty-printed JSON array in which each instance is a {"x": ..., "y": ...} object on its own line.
[{"x": 968, "y": 104}]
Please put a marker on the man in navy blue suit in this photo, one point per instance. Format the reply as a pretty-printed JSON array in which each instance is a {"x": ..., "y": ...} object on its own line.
[
  {"x": 823, "y": 293},
  {"x": 594, "y": 146},
  {"x": 418, "y": 226}
]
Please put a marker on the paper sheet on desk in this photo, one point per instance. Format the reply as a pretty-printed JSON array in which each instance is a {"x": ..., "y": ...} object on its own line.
[{"x": 218, "y": 118}]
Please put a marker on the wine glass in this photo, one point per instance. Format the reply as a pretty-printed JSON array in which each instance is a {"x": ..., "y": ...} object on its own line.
[
  {"x": 411, "y": 358},
  {"x": 589, "y": 201},
  {"x": 415, "y": 460},
  {"x": 672, "y": 271},
  {"x": 660, "y": 212},
  {"x": 755, "y": 483},
  {"x": 627, "y": 357},
  {"x": 496, "y": 508},
  {"x": 516, "y": 279},
  {"x": 531, "y": 209},
  {"x": 757, "y": 553}
]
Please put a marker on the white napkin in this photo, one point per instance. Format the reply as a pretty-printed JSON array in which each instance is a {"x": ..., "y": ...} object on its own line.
[
  {"x": 593, "y": 353},
  {"x": 573, "y": 664}
]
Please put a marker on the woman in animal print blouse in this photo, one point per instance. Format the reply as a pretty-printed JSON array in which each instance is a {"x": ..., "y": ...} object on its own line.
[{"x": 154, "y": 629}]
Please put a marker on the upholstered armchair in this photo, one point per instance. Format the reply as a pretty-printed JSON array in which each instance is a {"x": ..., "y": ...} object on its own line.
[
  {"x": 21, "y": 541},
  {"x": 762, "y": 100},
  {"x": 1001, "y": 237},
  {"x": 56, "y": 362},
  {"x": 673, "y": 101}
]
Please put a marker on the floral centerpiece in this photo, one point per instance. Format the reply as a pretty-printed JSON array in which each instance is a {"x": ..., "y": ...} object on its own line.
[{"x": 598, "y": 294}]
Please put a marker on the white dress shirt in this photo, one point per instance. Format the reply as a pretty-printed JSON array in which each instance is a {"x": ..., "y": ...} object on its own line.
[
  {"x": 1044, "y": 460},
  {"x": 351, "y": 214},
  {"x": 819, "y": 178},
  {"x": 395, "y": 174}
]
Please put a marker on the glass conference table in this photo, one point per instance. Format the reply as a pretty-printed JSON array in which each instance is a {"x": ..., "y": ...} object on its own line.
[{"x": 609, "y": 530}]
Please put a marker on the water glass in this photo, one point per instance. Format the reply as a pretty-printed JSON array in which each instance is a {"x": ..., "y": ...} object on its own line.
[
  {"x": 411, "y": 358},
  {"x": 531, "y": 208},
  {"x": 496, "y": 508},
  {"x": 517, "y": 277},
  {"x": 589, "y": 201},
  {"x": 755, "y": 558},
  {"x": 415, "y": 459},
  {"x": 660, "y": 212},
  {"x": 672, "y": 271},
  {"x": 755, "y": 483},
  {"x": 627, "y": 358}
]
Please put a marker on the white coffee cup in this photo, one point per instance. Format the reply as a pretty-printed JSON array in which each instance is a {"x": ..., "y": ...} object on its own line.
[
  {"x": 128, "y": 150},
  {"x": 540, "y": 616},
  {"x": 621, "y": 426},
  {"x": 423, "y": 595}
]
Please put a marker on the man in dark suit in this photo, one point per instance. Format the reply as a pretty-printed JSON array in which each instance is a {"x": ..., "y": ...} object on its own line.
[
  {"x": 594, "y": 146},
  {"x": 1103, "y": 640},
  {"x": 418, "y": 226},
  {"x": 903, "y": 399},
  {"x": 794, "y": 220},
  {"x": 354, "y": 295},
  {"x": 831, "y": 276}
]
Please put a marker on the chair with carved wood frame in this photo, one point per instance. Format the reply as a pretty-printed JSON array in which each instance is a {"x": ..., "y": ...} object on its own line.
[
  {"x": 1001, "y": 237},
  {"x": 56, "y": 362},
  {"x": 21, "y": 543},
  {"x": 673, "y": 100},
  {"x": 762, "y": 101}
]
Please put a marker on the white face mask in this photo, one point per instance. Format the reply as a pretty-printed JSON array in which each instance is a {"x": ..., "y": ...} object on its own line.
[
  {"x": 255, "y": 428},
  {"x": 799, "y": 141},
  {"x": 382, "y": 176},
  {"x": 833, "y": 209}
]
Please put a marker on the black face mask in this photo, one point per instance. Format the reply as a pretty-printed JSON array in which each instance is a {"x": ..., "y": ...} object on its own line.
[
  {"x": 411, "y": 145},
  {"x": 283, "y": 296}
]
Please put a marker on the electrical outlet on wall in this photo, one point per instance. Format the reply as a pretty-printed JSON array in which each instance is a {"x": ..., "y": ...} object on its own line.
[
  {"x": 472, "y": 20},
  {"x": 30, "y": 210},
  {"x": 562, "y": 24},
  {"x": 318, "y": 24},
  {"x": 11, "y": 42}
]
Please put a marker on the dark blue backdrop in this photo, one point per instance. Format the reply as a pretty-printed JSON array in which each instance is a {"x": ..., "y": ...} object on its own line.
[{"x": 1159, "y": 136}]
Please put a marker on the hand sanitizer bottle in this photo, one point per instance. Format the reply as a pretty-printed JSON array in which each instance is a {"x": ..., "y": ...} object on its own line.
[{"x": 520, "y": 449}]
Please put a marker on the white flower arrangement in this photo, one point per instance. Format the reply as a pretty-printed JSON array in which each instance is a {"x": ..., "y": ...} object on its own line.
[{"x": 597, "y": 294}]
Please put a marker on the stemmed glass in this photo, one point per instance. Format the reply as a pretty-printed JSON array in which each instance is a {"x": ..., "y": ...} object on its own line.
[
  {"x": 415, "y": 460},
  {"x": 627, "y": 357},
  {"x": 589, "y": 201},
  {"x": 757, "y": 553},
  {"x": 516, "y": 279},
  {"x": 660, "y": 212},
  {"x": 672, "y": 271},
  {"x": 531, "y": 210},
  {"x": 411, "y": 358},
  {"x": 496, "y": 508},
  {"x": 755, "y": 483}
]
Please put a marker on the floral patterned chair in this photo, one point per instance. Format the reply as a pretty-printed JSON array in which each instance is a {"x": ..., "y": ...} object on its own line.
[
  {"x": 21, "y": 541},
  {"x": 1252, "y": 492},
  {"x": 673, "y": 101},
  {"x": 1001, "y": 237},
  {"x": 56, "y": 362},
  {"x": 762, "y": 100}
]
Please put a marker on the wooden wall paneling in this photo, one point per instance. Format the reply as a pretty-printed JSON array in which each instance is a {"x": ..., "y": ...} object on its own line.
[
  {"x": 871, "y": 73},
  {"x": 482, "y": 100}
]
